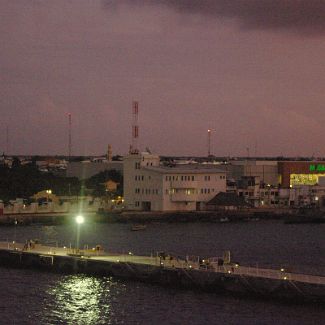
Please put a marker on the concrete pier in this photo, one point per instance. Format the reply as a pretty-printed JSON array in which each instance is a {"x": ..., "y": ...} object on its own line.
[{"x": 206, "y": 275}]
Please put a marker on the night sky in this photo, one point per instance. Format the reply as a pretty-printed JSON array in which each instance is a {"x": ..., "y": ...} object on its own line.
[{"x": 252, "y": 71}]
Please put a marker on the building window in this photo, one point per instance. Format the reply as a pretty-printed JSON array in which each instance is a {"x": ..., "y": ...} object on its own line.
[
  {"x": 192, "y": 178},
  {"x": 137, "y": 165}
]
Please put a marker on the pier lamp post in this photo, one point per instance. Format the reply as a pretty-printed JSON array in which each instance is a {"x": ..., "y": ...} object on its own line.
[
  {"x": 48, "y": 192},
  {"x": 79, "y": 220}
]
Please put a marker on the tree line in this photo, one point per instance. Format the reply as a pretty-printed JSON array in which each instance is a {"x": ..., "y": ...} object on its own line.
[{"x": 23, "y": 181}]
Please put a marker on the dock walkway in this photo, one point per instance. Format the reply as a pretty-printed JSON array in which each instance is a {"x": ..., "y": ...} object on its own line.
[{"x": 167, "y": 262}]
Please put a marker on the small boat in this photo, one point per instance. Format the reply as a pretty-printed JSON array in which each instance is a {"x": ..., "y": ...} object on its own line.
[{"x": 138, "y": 227}]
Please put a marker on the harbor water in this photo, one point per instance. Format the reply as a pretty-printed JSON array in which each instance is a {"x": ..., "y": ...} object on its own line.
[{"x": 32, "y": 297}]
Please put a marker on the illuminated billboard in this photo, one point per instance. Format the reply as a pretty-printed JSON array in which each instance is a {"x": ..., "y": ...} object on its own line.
[{"x": 304, "y": 179}]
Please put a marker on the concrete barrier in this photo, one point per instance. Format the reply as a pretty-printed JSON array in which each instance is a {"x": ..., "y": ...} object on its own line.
[{"x": 150, "y": 269}]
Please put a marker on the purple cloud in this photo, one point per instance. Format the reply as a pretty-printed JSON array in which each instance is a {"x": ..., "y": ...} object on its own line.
[{"x": 306, "y": 17}]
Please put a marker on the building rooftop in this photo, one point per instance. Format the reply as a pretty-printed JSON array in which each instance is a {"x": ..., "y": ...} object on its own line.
[
  {"x": 227, "y": 199},
  {"x": 179, "y": 169}
]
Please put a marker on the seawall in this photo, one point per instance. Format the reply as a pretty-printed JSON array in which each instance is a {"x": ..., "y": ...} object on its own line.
[{"x": 231, "y": 279}]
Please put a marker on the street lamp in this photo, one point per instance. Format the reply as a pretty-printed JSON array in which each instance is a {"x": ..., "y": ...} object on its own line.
[
  {"x": 48, "y": 192},
  {"x": 79, "y": 220}
]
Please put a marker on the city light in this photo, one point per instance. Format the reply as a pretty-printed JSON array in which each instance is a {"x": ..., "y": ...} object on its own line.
[{"x": 80, "y": 219}]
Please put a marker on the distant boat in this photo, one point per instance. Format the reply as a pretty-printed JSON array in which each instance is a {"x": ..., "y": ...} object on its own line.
[{"x": 138, "y": 227}]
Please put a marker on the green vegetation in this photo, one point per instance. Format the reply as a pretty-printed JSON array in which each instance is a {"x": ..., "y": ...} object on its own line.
[
  {"x": 97, "y": 183},
  {"x": 23, "y": 181}
]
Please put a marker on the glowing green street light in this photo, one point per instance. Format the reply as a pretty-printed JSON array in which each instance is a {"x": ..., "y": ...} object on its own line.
[{"x": 79, "y": 220}]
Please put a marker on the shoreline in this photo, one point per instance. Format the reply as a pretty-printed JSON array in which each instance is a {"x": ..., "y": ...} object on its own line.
[{"x": 148, "y": 217}]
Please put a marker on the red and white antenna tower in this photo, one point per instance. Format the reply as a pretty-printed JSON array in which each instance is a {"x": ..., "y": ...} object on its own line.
[
  {"x": 70, "y": 143},
  {"x": 135, "y": 128}
]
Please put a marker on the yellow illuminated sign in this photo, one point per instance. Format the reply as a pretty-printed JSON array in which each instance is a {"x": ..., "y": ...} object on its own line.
[{"x": 304, "y": 179}]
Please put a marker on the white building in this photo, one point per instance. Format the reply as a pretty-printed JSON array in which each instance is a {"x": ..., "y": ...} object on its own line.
[
  {"x": 266, "y": 170},
  {"x": 151, "y": 187}
]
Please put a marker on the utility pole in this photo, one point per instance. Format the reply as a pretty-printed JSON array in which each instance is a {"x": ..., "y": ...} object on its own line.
[
  {"x": 7, "y": 140},
  {"x": 69, "y": 143},
  {"x": 209, "y": 142}
]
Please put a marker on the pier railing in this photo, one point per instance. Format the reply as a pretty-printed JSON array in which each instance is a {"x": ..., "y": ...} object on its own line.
[
  {"x": 281, "y": 274},
  {"x": 170, "y": 261}
]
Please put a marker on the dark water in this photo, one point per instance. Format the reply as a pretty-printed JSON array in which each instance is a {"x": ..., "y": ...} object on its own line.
[{"x": 31, "y": 297}]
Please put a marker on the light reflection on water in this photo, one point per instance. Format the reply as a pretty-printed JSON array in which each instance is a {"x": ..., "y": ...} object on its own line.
[
  {"x": 78, "y": 299},
  {"x": 32, "y": 297}
]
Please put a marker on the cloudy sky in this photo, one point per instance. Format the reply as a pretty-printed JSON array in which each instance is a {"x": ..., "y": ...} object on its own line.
[{"x": 252, "y": 71}]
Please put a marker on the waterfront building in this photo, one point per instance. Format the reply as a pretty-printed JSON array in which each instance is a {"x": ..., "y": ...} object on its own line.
[
  {"x": 265, "y": 170},
  {"x": 227, "y": 202},
  {"x": 149, "y": 186},
  {"x": 297, "y": 173}
]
